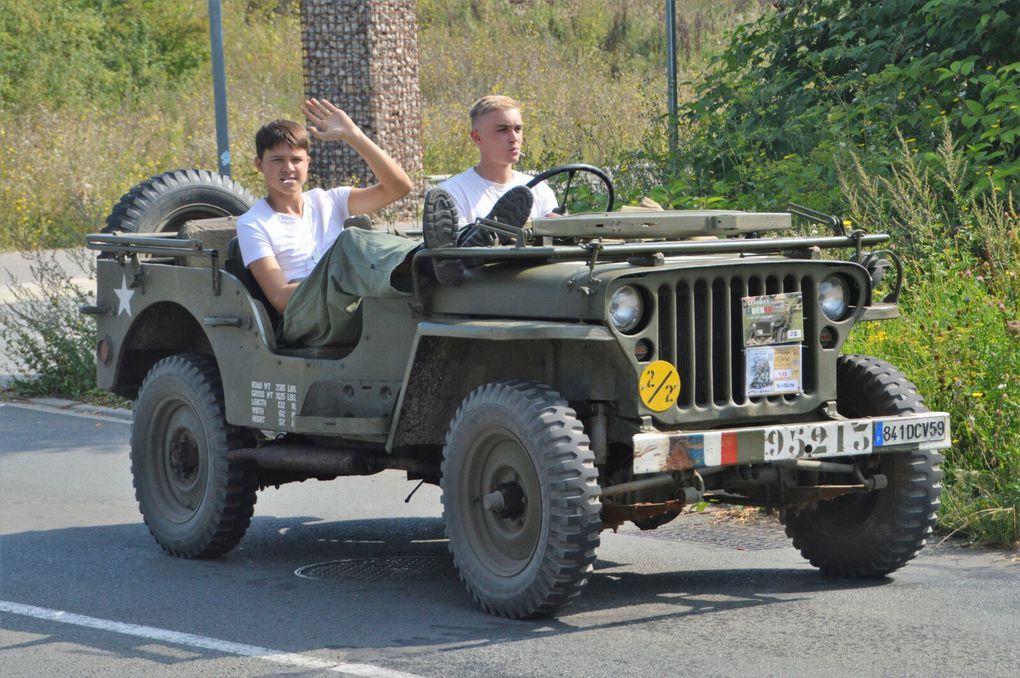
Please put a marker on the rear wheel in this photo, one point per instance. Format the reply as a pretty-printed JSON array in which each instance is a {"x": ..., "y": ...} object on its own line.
[
  {"x": 520, "y": 499},
  {"x": 163, "y": 203},
  {"x": 195, "y": 502},
  {"x": 873, "y": 534}
]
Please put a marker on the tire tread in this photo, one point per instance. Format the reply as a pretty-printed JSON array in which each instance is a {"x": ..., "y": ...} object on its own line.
[
  {"x": 234, "y": 499},
  {"x": 129, "y": 213},
  {"x": 916, "y": 482},
  {"x": 575, "y": 516}
]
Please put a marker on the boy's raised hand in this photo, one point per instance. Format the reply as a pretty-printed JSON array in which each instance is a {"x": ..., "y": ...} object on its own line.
[{"x": 328, "y": 122}]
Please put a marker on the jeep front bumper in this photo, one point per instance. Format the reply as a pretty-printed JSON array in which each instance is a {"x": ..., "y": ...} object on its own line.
[{"x": 661, "y": 451}]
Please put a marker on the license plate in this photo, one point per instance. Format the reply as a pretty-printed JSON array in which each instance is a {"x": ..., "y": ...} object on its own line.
[{"x": 920, "y": 430}]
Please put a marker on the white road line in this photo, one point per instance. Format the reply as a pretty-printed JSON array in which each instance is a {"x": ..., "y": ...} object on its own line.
[{"x": 189, "y": 640}]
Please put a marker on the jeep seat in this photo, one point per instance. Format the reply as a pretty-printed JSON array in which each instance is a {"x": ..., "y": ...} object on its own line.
[
  {"x": 220, "y": 234},
  {"x": 234, "y": 265}
]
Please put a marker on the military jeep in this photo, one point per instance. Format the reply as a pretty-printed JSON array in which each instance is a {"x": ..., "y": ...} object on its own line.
[{"x": 605, "y": 367}]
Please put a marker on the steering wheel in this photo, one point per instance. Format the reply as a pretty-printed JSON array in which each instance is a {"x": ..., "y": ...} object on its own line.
[{"x": 571, "y": 170}]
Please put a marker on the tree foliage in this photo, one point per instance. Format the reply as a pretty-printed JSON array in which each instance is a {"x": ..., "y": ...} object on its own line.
[
  {"x": 97, "y": 51},
  {"x": 803, "y": 86}
]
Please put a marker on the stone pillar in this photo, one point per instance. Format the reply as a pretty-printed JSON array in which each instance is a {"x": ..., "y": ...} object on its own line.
[{"x": 363, "y": 56}]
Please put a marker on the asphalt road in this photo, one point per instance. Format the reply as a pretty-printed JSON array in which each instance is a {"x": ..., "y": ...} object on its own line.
[{"x": 85, "y": 591}]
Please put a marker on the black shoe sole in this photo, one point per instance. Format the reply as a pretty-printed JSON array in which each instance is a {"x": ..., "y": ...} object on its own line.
[
  {"x": 439, "y": 230},
  {"x": 513, "y": 207}
]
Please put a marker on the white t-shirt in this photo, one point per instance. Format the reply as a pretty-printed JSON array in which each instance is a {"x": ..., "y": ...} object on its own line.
[
  {"x": 475, "y": 195},
  {"x": 297, "y": 242}
]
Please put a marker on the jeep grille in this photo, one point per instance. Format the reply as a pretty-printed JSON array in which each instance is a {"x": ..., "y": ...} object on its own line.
[{"x": 700, "y": 331}]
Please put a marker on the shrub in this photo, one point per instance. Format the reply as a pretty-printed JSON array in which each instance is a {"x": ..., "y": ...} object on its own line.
[
  {"x": 51, "y": 345},
  {"x": 800, "y": 88},
  {"x": 60, "y": 52},
  {"x": 957, "y": 340}
]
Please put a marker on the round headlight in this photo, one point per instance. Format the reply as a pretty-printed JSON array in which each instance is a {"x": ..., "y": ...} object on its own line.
[
  {"x": 833, "y": 296},
  {"x": 625, "y": 308}
]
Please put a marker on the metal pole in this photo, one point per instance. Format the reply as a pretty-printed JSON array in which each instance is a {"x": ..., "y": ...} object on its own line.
[
  {"x": 671, "y": 77},
  {"x": 219, "y": 86}
]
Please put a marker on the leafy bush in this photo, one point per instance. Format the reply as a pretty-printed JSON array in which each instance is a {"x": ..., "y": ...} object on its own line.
[
  {"x": 959, "y": 339},
  {"x": 801, "y": 88},
  {"x": 51, "y": 345}
]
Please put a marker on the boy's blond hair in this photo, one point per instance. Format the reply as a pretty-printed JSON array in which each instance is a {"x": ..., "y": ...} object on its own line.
[{"x": 491, "y": 102}]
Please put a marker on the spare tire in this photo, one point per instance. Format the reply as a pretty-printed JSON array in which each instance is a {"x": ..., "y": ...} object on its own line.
[{"x": 163, "y": 203}]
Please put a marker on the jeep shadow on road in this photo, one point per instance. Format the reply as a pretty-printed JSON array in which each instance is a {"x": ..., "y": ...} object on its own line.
[{"x": 111, "y": 569}]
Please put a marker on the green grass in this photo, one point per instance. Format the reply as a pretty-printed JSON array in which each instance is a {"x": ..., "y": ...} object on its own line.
[
  {"x": 954, "y": 340},
  {"x": 591, "y": 75},
  {"x": 64, "y": 166}
]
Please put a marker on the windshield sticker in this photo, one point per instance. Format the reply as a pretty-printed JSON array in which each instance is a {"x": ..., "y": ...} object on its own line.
[
  {"x": 772, "y": 370},
  {"x": 773, "y": 319}
]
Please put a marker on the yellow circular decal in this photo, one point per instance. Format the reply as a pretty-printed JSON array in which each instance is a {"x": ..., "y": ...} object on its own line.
[{"x": 659, "y": 386}]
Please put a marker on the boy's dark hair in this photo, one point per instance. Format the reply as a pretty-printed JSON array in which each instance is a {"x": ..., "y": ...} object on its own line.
[{"x": 281, "y": 132}]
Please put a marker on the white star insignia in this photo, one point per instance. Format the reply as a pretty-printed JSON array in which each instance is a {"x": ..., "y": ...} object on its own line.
[{"x": 124, "y": 297}]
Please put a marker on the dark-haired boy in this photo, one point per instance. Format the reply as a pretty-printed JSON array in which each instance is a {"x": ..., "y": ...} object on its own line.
[
  {"x": 293, "y": 241},
  {"x": 284, "y": 235}
]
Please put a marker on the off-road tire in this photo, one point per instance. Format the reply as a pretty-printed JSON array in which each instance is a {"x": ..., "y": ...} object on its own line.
[
  {"x": 874, "y": 534},
  {"x": 535, "y": 565},
  {"x": 163, "y": 203},
  {"x": 195, "y": 503}
]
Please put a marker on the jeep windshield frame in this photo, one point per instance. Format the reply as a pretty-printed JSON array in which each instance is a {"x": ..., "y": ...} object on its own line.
[{"x": 602, "y": 251}]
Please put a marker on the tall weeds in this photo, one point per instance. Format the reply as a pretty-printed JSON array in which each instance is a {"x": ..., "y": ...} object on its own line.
[
  {"x": 49, "y": 345},
  {"x": 590, "y": 73},
  {"x": 959, "y": 339},
  {"x": 62, "y": 169}
]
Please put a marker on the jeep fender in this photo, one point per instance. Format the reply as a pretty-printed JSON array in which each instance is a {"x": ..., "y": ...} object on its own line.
[
  {"x": 449, "y": 360},
  {"x": 151, "y": 322}
]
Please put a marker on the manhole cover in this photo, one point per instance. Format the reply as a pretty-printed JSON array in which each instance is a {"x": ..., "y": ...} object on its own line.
[{"x": 391, "y": 568}]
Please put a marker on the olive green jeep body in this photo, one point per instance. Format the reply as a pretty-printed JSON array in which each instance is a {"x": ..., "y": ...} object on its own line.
[{"x": 605, "y": 368}]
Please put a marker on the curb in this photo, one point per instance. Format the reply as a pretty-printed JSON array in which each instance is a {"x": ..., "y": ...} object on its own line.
[{"x": 79, "y": 408}]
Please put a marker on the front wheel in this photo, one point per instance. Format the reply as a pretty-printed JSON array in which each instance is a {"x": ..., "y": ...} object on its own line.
[
  {"x": 520, "y": 499},
  {"x": 873, "y": 534},
  {"x": 196, "y": 503}
]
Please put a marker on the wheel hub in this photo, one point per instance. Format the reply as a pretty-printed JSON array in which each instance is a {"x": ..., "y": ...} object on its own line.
[
  {"x": 504, "y": 527},
  {"x": 507, "y": 501},
  {"x": 184, "y": 455}
]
